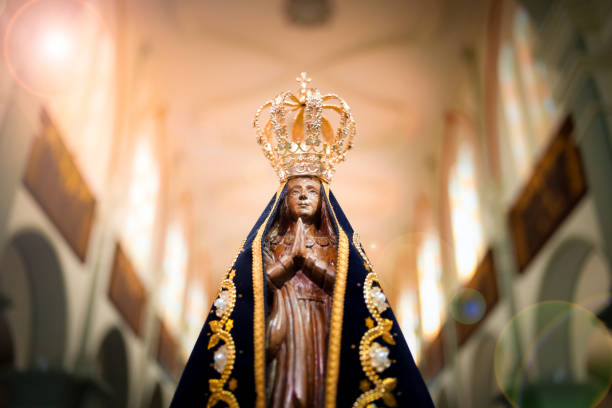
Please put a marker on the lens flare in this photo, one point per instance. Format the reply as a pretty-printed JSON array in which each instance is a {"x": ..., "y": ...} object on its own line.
[
  {"x": 468, "y": 306},
  {"x": 46, "y": 42},
  {"x": 567, "y": 364},
  {"x": 56, "y": 45}
]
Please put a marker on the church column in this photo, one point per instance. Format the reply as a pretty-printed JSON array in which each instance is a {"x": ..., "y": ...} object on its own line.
[
  {"x": 151, "y": 324},
  {"x": 494, "y": 213},
  {"x": 103, "y": 250}
]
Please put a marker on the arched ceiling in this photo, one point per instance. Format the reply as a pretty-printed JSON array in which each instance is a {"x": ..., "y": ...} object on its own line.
[{"x": 398, "y": 63}]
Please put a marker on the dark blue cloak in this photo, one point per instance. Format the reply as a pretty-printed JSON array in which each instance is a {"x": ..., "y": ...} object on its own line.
[{"x": 348, "y": 378}]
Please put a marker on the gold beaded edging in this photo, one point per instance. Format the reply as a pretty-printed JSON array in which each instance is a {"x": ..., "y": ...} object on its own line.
[
  {"x": 259, "y": 317},
  {"x": 337, "y": 314},
  {"x": 383, "y": 387},
  {"x": 221, "y": 332}
]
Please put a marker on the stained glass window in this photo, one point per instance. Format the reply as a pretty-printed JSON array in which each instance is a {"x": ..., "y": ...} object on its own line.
[
  {"x": 465, "y": 213},
  {"x": 515, "y": 120},
  {"x": 534, "y": 78},
  {"x": 526, "y": 97},
  {"x": 141, "y": 203},
  {"x": 195, "y": 314},
  {"x": 429, "y": 267},
  {"x": 409, "y": 321},
  {"x": 172, "y": 288},
  {"x": 84, "y": 104}
]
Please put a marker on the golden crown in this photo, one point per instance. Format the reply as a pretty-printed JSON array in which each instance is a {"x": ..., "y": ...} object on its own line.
[{"x": 312, "y": 147}]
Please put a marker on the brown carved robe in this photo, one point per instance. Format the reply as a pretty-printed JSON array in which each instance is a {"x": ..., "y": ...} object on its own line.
[{"x": 297, "y": 330}]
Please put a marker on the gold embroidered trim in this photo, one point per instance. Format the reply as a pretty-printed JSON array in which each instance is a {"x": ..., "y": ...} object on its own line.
[
  {"x": 383, "y": 387},
  {"x": 259, "y": 317},
  {"x": 221, "y": 331},
  {"x": 337, "y": 314}
]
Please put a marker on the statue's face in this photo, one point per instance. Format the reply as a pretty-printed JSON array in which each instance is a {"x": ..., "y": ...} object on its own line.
[{"x": 303, "y": 197}]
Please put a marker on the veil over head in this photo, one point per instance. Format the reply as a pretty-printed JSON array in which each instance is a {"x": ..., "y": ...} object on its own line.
[{"x": 228, "y": 362}]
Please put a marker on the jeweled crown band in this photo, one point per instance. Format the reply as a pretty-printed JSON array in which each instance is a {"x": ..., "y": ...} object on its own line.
[{"x": 305, "y": 143}]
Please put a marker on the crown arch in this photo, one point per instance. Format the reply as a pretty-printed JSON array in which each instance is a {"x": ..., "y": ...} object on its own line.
[{"x": 298, "y": 138}]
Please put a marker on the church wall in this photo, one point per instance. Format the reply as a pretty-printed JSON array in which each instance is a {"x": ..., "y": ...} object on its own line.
[
  {"x": 475, "y": 357},
  {"x": 579, "y": 90},
  {"x": 20, "y": 122},
  {"x": 581, "y": 60},
  {"x": 26, "y": 215},
  {"x": 19, "y": 211},
  {"x": 582, "y": 222}
]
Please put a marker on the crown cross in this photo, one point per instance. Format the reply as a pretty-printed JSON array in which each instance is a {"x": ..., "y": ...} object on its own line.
[
  {"x": 298, "y": 139},
  {"x": 303, "y": 80}
]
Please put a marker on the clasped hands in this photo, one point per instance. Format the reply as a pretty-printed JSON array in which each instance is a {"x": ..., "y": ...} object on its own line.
[
  {"x": 298, "y": 251},
  {"x": 299, "y": 257}
]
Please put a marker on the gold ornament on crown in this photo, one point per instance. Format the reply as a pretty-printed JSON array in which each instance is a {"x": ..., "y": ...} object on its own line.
[{"x": 298, "y": 139}]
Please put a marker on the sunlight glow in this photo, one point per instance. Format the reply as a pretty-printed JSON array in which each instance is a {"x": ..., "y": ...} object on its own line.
[
  {"x": 465, "y": 214},
  {"x": 430, "y": 289},
  {"x": 142, "y": 205},
  {"x": 408, "y": 314},
  {"x": 172, "y": 289},
  {"x": 56, "y": 45},
  {"x": 534, "y": 78},
  {"x": 195, "y": 314},
  {"x": 513, "y": 111},
  {"x": 74, "y": 61}
]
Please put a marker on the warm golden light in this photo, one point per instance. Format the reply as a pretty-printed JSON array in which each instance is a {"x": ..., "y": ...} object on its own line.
[
  {"x": 174, "y": 278},
  {"x": 195, "y": 314},
  {"x": 142, "y": 205},
  {"x": 517, "y": 132},
  {"x": 56, "y": 46},
  {"x": 408, "y": 314},
  {"x": 465, "y": 214},
  {"x": 430, "y": 289}
]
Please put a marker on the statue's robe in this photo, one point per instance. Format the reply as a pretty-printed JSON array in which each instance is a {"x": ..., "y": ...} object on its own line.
[
  {"x": 246, "y": 383},
  {"x": 297, "y": 327}
]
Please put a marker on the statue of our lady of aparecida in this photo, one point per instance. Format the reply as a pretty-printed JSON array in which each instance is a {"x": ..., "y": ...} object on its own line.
[{"x": 288, "y": 327}]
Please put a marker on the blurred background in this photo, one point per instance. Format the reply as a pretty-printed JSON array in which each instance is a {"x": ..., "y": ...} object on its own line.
[{"x": 480, "y": 183}]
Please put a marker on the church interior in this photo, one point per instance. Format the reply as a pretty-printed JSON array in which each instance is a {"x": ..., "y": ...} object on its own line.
[{"x": 480, "y": 183}]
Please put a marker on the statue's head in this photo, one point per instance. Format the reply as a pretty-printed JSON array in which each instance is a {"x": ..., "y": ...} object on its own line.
[{"x": 303, "y": 198}]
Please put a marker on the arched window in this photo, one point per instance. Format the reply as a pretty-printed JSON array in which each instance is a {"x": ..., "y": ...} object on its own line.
[
  {"x": 466, "y": 221},
  {"x": 84, "y": 105},
  {"x": 429, "y": 267},
  {"x": 195, "y": 314},
  {"x": 408, "y": 313},
  {"x": 513, "y": 112},
  {"x": 141, "y": 205},
  {"x": 172, "y": 288},
  {"x": 534, "y": 78},
  {"x": 528, "y": 109}
]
